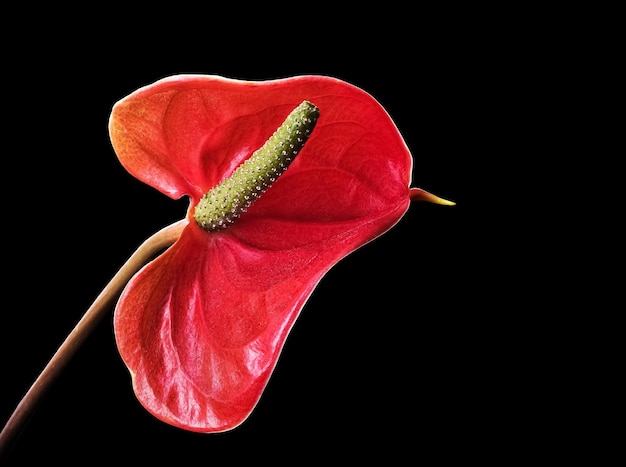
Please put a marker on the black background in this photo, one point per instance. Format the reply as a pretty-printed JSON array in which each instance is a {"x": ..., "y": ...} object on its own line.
[{"x": 394, "y": 355}]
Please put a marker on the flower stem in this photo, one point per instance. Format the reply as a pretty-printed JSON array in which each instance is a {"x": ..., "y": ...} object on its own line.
[{"x": 146, "y": 251}]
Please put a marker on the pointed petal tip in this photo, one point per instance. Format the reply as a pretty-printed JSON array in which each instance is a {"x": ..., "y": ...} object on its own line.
[{"x": 417, "y": 194}]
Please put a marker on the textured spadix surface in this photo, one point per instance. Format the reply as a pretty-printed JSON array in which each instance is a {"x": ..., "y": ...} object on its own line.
[{"x": 201, "y": 327}]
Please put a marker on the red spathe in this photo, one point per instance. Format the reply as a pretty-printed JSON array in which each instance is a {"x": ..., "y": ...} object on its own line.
[{"x": 201, "y": 327}]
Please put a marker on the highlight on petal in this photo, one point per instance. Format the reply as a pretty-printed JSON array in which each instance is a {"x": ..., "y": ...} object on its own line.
[{"x": 202, "y": 326}]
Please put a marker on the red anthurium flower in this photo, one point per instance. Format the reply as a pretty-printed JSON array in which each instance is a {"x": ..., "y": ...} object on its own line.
[{"x": 201, "y": 327}]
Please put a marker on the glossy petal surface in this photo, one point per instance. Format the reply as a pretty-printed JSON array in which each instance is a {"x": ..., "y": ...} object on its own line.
[{"x": 201, "y": 327}]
